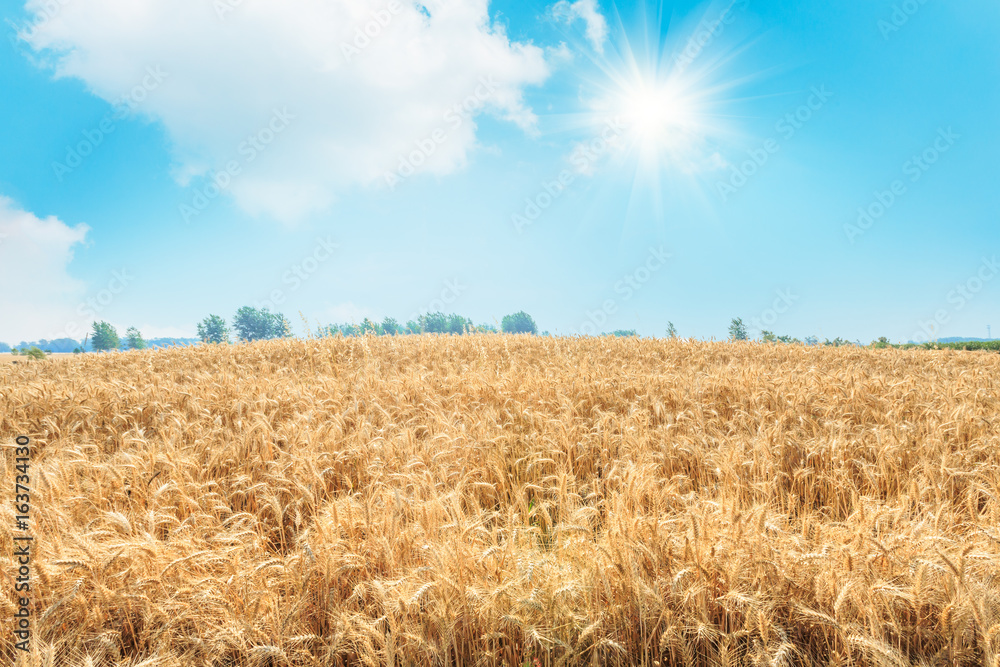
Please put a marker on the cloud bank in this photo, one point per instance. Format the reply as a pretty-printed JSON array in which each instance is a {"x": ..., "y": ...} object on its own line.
[
  {"x": 38, "y": 293},
  {"x": 364, "y": 85}
]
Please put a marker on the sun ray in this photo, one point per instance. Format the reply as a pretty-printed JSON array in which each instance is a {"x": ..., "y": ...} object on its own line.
[{"x": 679, "y": 105}]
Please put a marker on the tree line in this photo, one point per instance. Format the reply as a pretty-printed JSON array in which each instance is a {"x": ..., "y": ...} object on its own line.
[{"x": 252, "y": 324}]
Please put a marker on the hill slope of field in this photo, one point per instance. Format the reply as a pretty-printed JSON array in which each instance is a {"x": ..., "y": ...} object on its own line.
[{"x": 493, "y": 500}]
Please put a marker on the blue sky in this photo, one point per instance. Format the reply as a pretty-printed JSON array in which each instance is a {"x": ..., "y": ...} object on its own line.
[{"x": 740, "y": 153}]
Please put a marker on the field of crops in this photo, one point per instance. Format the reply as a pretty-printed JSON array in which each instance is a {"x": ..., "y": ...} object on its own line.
[{"x": 508, "y": 500}]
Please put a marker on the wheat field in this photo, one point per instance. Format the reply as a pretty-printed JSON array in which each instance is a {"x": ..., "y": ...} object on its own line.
[{"x": 508, "y": 500}]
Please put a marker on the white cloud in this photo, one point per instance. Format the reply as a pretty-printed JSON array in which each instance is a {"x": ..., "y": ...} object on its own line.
[
  {"x": 366, "y": 81},
  {"x": 559, "y": 55},
  {"x": 37, "y": 294},
  {"x": 588, "y": 12}
]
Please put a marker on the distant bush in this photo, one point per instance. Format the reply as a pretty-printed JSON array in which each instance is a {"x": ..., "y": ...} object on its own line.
[
  {"x": 837, "y": 342},
  {"x": 770, "y": 337},
  {"x": 519, "y": 322}
]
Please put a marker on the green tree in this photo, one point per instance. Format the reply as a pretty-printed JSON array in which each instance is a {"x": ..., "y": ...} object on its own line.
[
  {"x": 33, "y": 352},
  {"x": 281, "y": 327},
  {"x": 882, "y": 343},
  {"x": 134, "y": 339},
  {"x": 213, "y": 329},
  {"x": 369, "y": 327},
  {"x": 458, "y": 324},
  {"x": 520, "y": 322},
  {"x": 433, "y": 323},
  {"x": 768, "y": 337},
  {"x": 737, "y": 330},
  {"x": 334, "y": 330},
  {"x": 390, "y": 327},
  {"x": 253, "y": 324},
  {"x": 671, "y": 330},
  {"x": 624, "y": 333},
  {"x": 105, "y": 337}
]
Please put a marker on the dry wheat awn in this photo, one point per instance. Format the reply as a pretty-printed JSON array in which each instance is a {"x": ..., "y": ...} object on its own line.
[{"x": 496, "y": 500}]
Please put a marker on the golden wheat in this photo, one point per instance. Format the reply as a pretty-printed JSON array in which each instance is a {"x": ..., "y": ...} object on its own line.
[{"x": 496, "y": 500}]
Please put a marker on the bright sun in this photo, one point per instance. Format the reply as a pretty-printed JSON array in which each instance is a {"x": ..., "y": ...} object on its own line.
[
  {"x": 653, "y": 112},
  {"x": 661, "y": 109},
  {"x": 659, "y": 116}
]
